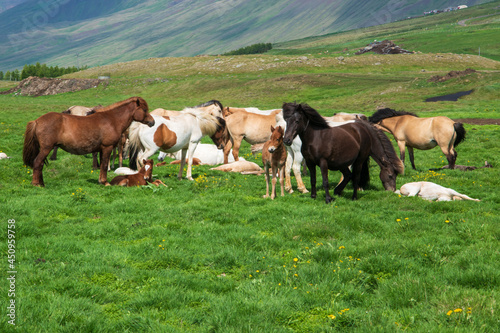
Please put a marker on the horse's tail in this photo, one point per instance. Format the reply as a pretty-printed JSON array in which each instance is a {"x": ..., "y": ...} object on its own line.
[
  {"x": 135, "y": 144},
  {"x": 460, "y": 130},
  {"x": 31, "y": 147}
]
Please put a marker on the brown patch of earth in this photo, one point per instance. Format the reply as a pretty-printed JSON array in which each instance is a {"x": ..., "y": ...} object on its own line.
[
  {"x": 478, "y": 121},
  {"x": 36, "y": 86},
  {"x": 451, "y": 75}
]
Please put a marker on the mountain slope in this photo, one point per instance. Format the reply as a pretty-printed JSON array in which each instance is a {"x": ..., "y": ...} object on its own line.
[{"x": 73, "y": 32}]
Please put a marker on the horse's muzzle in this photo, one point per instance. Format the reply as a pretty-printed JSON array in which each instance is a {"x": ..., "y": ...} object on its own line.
[
  {"x": 287, "y": 142},
  {"x": 150, "y": 123}
]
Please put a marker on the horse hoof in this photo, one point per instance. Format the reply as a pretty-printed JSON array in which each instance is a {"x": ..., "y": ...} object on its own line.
[{"x": 303, "y": 190}]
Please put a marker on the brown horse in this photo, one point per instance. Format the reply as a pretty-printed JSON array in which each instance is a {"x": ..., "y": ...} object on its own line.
[
  {"x": 98, "y": 132},
  {"x": 340, "y": 148},
  {"x": 274, "y": 157},
  {"x": 421, "y": 133},
  {"x": 143, "y": 177}
]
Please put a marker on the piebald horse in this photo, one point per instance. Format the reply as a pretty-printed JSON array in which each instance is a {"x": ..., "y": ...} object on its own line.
[
  {"x": 171, "y": 134},
  {"x": 421, "y": 133},
  {"x": 98, "y": 132}
]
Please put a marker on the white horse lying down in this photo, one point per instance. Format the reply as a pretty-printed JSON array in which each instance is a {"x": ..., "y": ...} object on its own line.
[
  {"x": 205, "y": 152},
  {"x": 244, "y": 167},
  {"x": 431, "y": 191}
]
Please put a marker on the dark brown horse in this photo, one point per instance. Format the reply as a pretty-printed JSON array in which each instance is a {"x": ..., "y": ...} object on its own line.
[
  {"x": 98, "y": 132},
  {"x": 340, "y": 148}
]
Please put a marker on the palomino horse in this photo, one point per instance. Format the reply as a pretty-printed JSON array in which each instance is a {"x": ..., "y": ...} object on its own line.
[
  {"x": 344, "y": 116},
  {"x": 340, "y": 148},
  {"x": 274, "y": 157},
  {"x": 143, "y": 177},
  {"x": 213, "y": 107},
  {"x": 98, "y": 132},
  {"x": 171, "y": 134},
  {"x": 78, "y": 110},
  {"x": 252, "y": 125},
  {"x": 421, "y": 133}
]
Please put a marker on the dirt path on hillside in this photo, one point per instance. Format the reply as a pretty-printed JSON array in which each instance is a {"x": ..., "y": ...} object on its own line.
[{"x": 462, "y": 22}]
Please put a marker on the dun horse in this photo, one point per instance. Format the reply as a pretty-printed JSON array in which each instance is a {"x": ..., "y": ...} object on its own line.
[
  {"x": 99, "y": 132},
  {"x": 421, "y": 133},
  {"x": 274, "y": 157},
  {"x": 340, "y": 148}
]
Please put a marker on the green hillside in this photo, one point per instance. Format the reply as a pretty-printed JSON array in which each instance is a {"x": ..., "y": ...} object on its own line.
[{"x": 95, "y": 33}]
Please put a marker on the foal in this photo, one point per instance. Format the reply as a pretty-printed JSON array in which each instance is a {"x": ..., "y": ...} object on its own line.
[
  {"x": 274, "y": 156},
  {"x": 143, "y": 177}
]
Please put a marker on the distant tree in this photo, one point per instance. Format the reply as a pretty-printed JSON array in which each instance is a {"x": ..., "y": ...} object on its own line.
[
  {"x": 7, "y": 75},
  {"x": 252, "y": 49},
  {"x": 1, "y": 75},
  {"x": 15, "y": 75}
]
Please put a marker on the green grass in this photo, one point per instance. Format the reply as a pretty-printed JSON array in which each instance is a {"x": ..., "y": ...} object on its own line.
[{"x": 213, "y": 255}]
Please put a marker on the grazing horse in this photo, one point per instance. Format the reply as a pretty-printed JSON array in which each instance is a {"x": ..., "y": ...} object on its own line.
[
  {"x": 99, "y": 132},
  {"x": 274, "y": 157},
  {"x": 252, "y": 125},
  {"x": 143, "y": 177},
  {"x": 421, "y": 133},
  {"x": 171, "y": 134},
  {"x": 340, "y": 148},
  {"x": 213, "y": 107}
]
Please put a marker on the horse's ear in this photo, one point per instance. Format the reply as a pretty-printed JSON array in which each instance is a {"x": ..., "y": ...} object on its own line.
[
  {"x": 144, "y": 161},
  {"x": 272, "y": 128}
]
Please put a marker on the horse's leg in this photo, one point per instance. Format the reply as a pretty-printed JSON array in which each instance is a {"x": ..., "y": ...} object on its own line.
[
  {"x": 412, "y": 159},
  {"x": 190, "y": 153},
  {"x": 226, "y": 150},
  {"x": 266, "y": 172},
  {"x": 402, "y": 147},
  {"x": 288, "y": 168},
  {"x": 451, "y": 156},
  {"x": 95, "y": 162},
  {"x": 273, "y": 190},
  {"x": 323, "y": 166},
  {"x": 296, "y": 166},
  {"x": 38, "y": 167},
  {"x": 53, "y": 157},
  {"x": 103, "y": 174},
  {"x": 312, "y": 172},
  {"x": 282, "y": 180},
  {"x": 347, "y": 176},
  {"x": 356, "y": 176},
  {"x": 236, "y": 148}
]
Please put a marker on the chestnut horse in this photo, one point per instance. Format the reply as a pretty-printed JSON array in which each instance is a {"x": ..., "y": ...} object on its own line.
[
  {"x": 274, "y": 157},
  {"x": 340, "y": 148},
  {"x": 421, "y": 133},
  {"x": 143, "y": 177},
  {"x": 171, "y": 134},
  {"x": 99, "y": 132}
]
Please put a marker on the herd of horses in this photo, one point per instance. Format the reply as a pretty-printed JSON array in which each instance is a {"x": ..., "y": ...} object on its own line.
[{"x": 288, "y": 136}]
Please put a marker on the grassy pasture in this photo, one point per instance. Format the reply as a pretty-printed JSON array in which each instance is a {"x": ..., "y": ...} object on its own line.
[{"x": 213, "y": 255}]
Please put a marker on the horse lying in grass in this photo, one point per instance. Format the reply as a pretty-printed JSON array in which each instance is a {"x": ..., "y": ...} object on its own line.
[
  {"x": 98, "y": 132},
  {"x": 421, "y": 133},
  {"x": 344, "y": 148},
  {"x": 143, "y": 177},
  {"x": 431, "y": 191},
  {"x": 274, "y": 157},
  {"x": 206, "y": 153}
]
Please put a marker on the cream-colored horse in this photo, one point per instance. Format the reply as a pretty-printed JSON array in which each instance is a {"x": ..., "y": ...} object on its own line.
[
  {"x": 421, "y": 133},
  {"x": 212, "y": 107}
]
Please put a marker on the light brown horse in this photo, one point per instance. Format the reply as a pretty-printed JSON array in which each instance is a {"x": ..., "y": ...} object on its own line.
[
  {"x": 213, "y": 107},
  {"x": 98, "y": 132},
  {"x": 421, "y": 133},
  {"x": 143, "y": 177},
  {"x": 274, "y": 157}
]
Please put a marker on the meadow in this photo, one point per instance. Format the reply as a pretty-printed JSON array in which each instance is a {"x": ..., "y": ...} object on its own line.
[{"x": 211, "y": 255}]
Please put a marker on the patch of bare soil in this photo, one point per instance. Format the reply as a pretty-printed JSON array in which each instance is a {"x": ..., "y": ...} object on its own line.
[
  {"x": 383, "y": 47},
  {"x": 477, "y": 121},
  {"x": 451, "y": 75},
  {"x": 36, "y": 86}
]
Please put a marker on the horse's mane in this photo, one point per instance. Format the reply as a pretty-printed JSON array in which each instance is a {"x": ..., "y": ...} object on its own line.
[
  {"x": 211, "y": 102},
  {"x": 139, "y": 100},
  {"x": 382, "y": 114},
  {"x": 311, "y": 114},
  {"x": 208, "y": 123}
]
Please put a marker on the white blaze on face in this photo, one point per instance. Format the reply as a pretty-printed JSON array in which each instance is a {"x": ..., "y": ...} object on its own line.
[{"x": 147, "y": 167}]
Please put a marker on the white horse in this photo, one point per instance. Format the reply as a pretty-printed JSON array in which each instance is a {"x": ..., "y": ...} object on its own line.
[
  {"x": 431, "y": 191},
  {"x": 207, "y": 153},
  {"x": 171, "y": 134}
]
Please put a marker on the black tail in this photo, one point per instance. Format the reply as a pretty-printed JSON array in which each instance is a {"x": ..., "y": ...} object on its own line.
[
  {"x": 460, "y": 130},
  {"x": 364, "y": 180}
]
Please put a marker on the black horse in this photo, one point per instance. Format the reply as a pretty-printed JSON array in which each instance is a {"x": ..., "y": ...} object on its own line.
[{"x": 344, "y": 148}]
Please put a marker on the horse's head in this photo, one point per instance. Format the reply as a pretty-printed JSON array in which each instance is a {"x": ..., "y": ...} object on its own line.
[
  {"x": 221, "y": 135},
  {"x": 147, "y": 169},
  {"x": 295, "y": 121},
  {"x": 276, "y": 139},
  {"x": 141, "y": 113}
]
